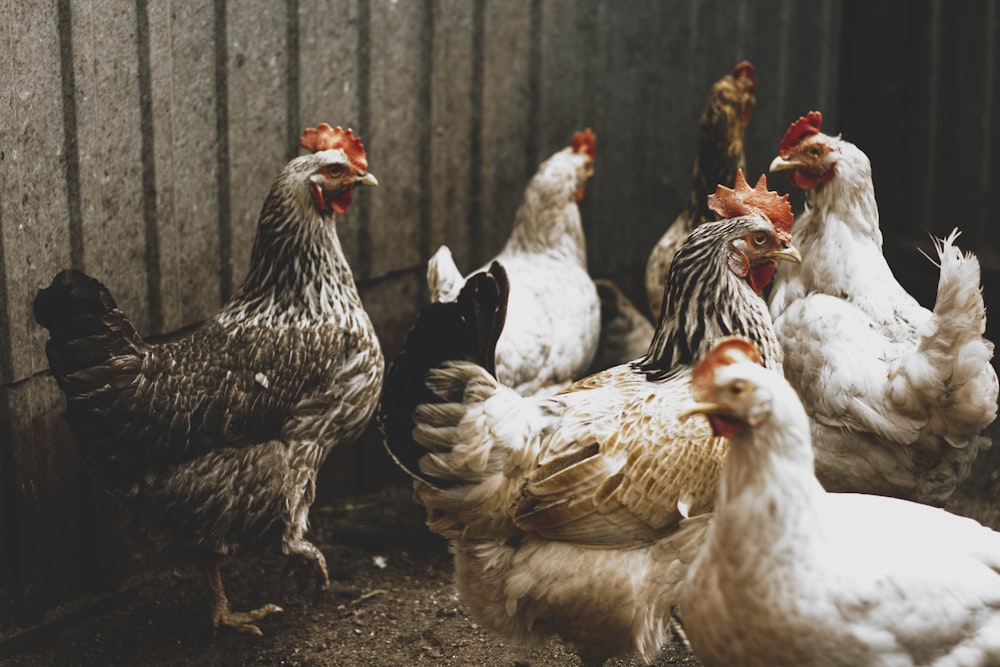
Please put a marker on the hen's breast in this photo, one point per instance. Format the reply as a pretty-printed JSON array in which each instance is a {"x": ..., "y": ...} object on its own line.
[
  {"x": 346, "y": 365},
  {"x": 553, "y": 324}
]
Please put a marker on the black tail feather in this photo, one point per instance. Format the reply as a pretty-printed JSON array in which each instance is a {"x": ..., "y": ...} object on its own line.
[
  {"x": 86, "y": 331},
  {"x": 463, "y": 330}
]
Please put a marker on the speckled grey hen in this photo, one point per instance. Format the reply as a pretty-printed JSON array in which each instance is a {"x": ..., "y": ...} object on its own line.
[{"x": 214, "y": 439}]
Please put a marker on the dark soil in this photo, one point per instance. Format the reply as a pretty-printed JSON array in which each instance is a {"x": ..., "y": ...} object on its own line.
[{"x": 391, "y": 602}]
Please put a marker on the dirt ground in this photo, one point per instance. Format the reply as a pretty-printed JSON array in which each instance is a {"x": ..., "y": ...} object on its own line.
[{"x": 392, "y": 603}]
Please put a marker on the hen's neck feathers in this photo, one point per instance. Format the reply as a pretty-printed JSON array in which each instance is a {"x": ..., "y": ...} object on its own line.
[
  {"x": 720, "y": 154},
  {"x": 850, "y": 194},
  {"x": 548, "y": 218},
  {"x": 704, "y": 301},
  {"x": 297, "y": 267},
  {"x": 839, "y": 235},
  {"x": 768, "y": 481}
]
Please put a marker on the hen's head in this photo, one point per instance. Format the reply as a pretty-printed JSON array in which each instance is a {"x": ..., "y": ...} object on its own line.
[
  {"x": 735, "y": 93},
  {"x": 337, "y": 164},
  {"x": 743, "y": 200},
  {"x": 583, "y": 146},
  {"x": 725, "y": 390},
  {"x": 567, "y": 171},
  {"x": 767, "y": 234},
  {"x": 808, "y": 155}
]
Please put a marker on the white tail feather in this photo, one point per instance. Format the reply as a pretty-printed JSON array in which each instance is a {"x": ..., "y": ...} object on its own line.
[
  {"x": 950, "y": 369},
  {"x": 444, "y": 280},
  {"x": 480, "y": 438}
]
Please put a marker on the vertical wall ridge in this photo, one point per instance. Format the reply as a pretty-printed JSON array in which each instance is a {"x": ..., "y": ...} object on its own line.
[
  {"x": 154, "y": 305},
  {"x": 426, "y": 106},
  {"x": 70, "y": 139},
  {"x": 475, "y": 219},
  {"x": 293, "y": 100},
  {"x": 364, "y": 261},
  {"x": 222, "y": 159}
]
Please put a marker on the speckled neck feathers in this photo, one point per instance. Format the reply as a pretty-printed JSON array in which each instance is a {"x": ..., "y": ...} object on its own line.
[
  {"x": 297, "y": 267},
  {"x": 705, "y": 301}
]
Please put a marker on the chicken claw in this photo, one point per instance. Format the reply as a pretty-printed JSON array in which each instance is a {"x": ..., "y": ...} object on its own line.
[
  {"x": 305, "y": 553},
  {"x": 241, "y": 621},
  {"x": 223, "y": 616}
]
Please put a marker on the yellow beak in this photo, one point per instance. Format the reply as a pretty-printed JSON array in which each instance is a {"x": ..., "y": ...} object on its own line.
[
  {"x": 789, "y": 254},
  {"x": 783, "y": 164},
  {"x": 700, "y": 408}
]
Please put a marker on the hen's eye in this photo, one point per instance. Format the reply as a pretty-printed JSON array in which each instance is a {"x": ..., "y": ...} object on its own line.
[
  {"x": 760, "y": 238},
  {"x": 815, "y": 151},
  {"x": 335, "y": 169}
]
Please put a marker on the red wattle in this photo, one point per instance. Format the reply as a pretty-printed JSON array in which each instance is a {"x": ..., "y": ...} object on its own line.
[
  {"x": 341, "y": 203},
  {"x": 803, "y": 181},
  {"x": 761, "y": 275},
  {"x": 725, "y": 426}
]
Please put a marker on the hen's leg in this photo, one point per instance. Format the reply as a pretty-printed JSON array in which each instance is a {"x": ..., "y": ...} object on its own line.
[
  {"x": 309, "y": 552},
  {"x": 223, "y": 616}
]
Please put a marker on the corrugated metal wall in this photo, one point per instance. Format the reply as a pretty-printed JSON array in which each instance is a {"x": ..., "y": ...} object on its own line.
[{"x": 138, "y": 139}]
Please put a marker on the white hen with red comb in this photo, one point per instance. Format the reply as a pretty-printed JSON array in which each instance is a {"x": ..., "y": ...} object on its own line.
[
  {"x": 790, "y": 575},
  {"x": 898, "y": 394},
  {"x": 554, "y": 313}
]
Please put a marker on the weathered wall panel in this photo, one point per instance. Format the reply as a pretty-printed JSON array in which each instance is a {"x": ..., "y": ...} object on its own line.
[
  {"x": 453, "y": 119},
  {"x": 506, "y": 127},
  {"x": 259, "y": 91},
  {"x": 181, "y": 162},
  {"x": 108, "y": 131},
  {"x": 397, "y": 121},
  {"x": 35, "y": 202}
]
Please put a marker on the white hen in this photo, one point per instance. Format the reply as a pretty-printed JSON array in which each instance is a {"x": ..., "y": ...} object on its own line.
[
  {"x": 554, "y": 314},
  {"x": 898, "y": 394},
  {"x": 791, "y": 575}
]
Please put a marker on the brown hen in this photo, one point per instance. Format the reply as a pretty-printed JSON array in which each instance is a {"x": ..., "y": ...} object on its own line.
[{"x": 721, "y": 127}]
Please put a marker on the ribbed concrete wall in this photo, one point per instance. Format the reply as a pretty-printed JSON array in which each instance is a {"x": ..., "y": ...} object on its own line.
[{"x": 138, "y": 139}]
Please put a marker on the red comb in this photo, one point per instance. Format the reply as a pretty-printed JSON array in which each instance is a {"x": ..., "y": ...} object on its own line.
[
  {"x": 745, "y": 70},
  {"x": 742, "y": 200},
  {"x": 324, "y": 138},
  {"x": 584, "y": 142},
  {"x": 804, "y": 127},
  {"x": 729, "y": 350}
]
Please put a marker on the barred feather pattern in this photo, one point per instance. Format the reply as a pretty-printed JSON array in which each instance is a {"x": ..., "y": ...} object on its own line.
[
  {"x": 215, "y": 438},
  {"x": 704, "y": 301}
]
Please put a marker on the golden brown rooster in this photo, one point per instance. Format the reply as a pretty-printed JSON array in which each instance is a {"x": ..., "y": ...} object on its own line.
[
  {"x": 214, "y": 439},
  {"x": 723, "y": 122},
  {"x": 561, "y": 510},
  {"x": 898, "y": 394}
]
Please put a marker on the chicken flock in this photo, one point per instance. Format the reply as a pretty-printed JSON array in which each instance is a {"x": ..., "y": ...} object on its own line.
[{"x": 742, "y": 467}]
